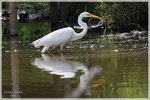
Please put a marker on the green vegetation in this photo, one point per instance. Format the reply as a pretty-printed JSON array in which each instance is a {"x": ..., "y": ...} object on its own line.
[
  {"x": 25, "y": 5},
  {"x": 124, "y": 12},
  {"x": 33, "y": 30},
  {"x": 118, "y": 15},
  {"x": 37, "y": 5}
]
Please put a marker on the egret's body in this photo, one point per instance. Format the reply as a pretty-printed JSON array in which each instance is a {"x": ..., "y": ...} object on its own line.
[
  {"x": 64, "y": 35},
  {"x": 58, "y": 37}
]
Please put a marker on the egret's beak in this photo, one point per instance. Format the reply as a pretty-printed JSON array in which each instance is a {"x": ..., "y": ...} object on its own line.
[{"x": 94, "y": 16}]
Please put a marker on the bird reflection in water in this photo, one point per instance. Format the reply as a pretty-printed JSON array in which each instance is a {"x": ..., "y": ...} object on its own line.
[
  {"x": 66, "y": 69},
  {"x": 60, "y": 66}
]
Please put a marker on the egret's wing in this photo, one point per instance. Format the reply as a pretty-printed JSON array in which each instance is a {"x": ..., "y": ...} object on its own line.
[{"x": 57, "y": 37}]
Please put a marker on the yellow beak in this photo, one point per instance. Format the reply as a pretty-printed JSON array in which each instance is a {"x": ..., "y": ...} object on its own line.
[{"x": 94, "y": 16}]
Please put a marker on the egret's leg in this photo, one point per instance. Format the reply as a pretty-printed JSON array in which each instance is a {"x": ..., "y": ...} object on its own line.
[
  {"x": 61, "y": 47},
  {"x": 54, "y": 47},
  {"x": 46, "y": 47}
]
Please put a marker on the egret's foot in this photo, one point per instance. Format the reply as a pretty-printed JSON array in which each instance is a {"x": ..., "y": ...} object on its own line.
[
  {"x": 63, "y": 51},
  {"x": 42, "y": 52}
]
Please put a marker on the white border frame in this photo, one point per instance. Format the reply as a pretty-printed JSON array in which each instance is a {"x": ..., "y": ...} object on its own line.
[{"x": 71, "y": 1}]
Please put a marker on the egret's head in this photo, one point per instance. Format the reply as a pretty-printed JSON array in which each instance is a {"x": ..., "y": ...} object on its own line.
[{"x": 87, "y": 14}]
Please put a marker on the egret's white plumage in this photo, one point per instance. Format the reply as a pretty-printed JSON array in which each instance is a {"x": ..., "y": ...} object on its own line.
[{"x": 64, "y": 35}]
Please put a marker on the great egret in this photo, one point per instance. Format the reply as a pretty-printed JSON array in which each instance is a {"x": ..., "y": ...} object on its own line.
[{"x": 64, "y": 35}]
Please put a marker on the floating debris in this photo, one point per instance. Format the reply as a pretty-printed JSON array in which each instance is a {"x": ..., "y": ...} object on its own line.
[
  {"x": 30, "y": 56},
  {"x": 16, "y": 50},
  {"x": 121, "y": 36},
  {"x": 19, "y": 41},
  {"x": 136, "y": 32},
  {"x": 115, "y": 50},
  {"x": 131, "y": 49},
  {"x": 101, "y": 46},
  {"x": 38, "y": 50},
  {"x": 70, "y": 46},
  {"x": 7, "y": 51},
  {"x": 134, "y": 46}
]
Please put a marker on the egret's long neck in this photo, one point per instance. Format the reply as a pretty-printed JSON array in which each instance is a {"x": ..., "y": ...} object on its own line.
[{"x": 77, "y": 36}]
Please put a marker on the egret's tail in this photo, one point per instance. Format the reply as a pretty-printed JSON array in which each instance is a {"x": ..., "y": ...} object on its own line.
[
  {"x": 30, "y": 45},
  {"x": 35, "y": 43}
]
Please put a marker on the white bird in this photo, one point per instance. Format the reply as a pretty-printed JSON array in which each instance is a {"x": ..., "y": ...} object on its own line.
[{"x": 64, "y": 35}]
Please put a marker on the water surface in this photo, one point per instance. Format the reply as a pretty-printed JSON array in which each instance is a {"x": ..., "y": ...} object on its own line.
[{"x": 26, "y": 73}]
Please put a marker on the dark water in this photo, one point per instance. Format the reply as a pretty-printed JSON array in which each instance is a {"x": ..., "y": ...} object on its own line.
[{"x": 26, "y": 73}]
